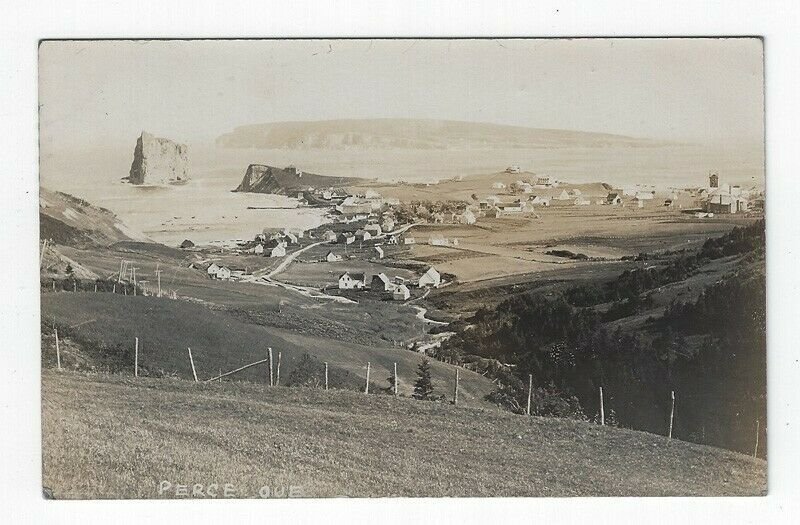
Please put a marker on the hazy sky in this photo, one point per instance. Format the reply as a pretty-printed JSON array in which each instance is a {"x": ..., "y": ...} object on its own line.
[{"x": 700, "y": 90}]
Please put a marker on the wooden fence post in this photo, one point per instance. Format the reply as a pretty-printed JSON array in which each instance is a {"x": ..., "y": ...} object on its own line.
[
  {"x": 95, "y": 287},
  {"x": 530, "y": 393},
  {"x": 755, "y": 450},
  {"x": 395, "y": 380},
  {"x": 74, "y": 286},
  {"x": 114, "y": 289},
  {"x": 326, "y": 375},
  {"x": 58, "y": 351},
  {"x": 278, "y": 372},
  {"x": 136, "y": 359},
  {"x": 671, "y": 412},
  {"x": 602, "y": 410},
  {"x": 270, "y": 366},
  {"x": 455, "y": 389},
  {"x": 366, "y": 387},
  {"x": 194, "y": 372}
]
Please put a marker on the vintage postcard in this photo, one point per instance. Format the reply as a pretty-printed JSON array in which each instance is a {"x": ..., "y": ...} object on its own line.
[{"x": 402, "y": 267}]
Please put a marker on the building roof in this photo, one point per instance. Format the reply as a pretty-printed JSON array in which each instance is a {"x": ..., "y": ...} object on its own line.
[
  {"x": 383, "y": 278},
  {"x": 355, "y": 276}
]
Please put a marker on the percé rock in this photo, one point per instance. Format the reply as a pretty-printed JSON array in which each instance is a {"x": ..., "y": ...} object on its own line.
[
  {"x": 159, "y": 161},
  {"x": 260, "y": 178}
]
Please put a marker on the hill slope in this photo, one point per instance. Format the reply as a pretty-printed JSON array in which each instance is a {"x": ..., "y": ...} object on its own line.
[
  {"x": 71, "y": 221},
  {"x": 103, "y": 326},
  {"x": 412, "y": 134},
  {"x": 133, "y": 435}
]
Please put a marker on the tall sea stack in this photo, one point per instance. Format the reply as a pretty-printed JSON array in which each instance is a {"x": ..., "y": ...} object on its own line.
[{"x": 158, "y": 161}]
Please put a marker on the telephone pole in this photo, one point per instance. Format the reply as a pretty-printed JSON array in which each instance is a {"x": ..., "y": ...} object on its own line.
[{"x": 158, "y": 273}]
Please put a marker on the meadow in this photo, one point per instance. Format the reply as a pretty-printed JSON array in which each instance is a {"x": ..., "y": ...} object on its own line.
[{"x": 109, "y": 436}]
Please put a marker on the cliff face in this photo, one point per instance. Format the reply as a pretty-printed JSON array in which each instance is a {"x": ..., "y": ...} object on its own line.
[
  {"x": 159, "y": 161},
  {"x": 260, "y": 178}
]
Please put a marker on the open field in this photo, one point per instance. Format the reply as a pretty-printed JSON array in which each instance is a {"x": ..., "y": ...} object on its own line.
[
  {"x": 103, "y": 327},
  {"x": 113, "y": 437},
  {"x": 505, "y": 247}
]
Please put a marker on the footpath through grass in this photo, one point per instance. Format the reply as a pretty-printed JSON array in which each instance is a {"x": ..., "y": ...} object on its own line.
[{"x": 107, "y": 436}]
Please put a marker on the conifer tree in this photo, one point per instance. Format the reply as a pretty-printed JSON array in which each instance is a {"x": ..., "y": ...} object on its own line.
[{"x": 423, "y": 388}]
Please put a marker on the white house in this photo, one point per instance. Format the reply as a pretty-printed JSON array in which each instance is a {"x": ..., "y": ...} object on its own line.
[
  {"x": 223, "y": 272},
  {"x": 347, "y": 238},
  {"x": 329, "y": 236},
  {"x": 381, "y": 283},
  {"x": 363, "y": 235},
  {"x": 258, "y": 249},
  {"x": 212, "y": 269},
  {"x": 387, "y": 224},
  {"x": 401, "y": 293},
  {"x": 563, "y": 196},
  {"x": 332, "y": 257},
  {"x": 430, "y": 278},
  {"x": 467, "y": 217},
  {"x": 373, "y": 228},
  {"x": 542, "y": 180},
  {"x": 352, "y": 281},
  {"x": 291, "y": 237},
  {"x": 614, "y": 199},
  {"x": 541, "y": 200},
  {"x": 493, "y": 200},
  {"x": 278, "y": 251}
]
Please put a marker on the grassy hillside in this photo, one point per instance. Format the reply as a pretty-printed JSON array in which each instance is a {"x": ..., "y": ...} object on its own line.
[
  {"x": 109, "y": 437},
  {"x": 101, "y": 328},
  {"x": 69, "y": 220}
]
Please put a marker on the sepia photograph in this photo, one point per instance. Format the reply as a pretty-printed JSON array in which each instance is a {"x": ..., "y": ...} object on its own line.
[{"x": 402, "y": 267}]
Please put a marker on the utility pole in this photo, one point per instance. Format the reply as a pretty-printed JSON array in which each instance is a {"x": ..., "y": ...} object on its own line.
[
  {"x": 133, "y": 278},
  {"x": 41, "y": 257},
  {"x": 158, "y": 273}
]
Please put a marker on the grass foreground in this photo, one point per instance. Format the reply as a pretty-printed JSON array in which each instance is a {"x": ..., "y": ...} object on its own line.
[{"x": 108, "y": 436}]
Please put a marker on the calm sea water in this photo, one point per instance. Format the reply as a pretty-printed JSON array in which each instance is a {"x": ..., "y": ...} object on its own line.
[{"x": 205, "y": 209}]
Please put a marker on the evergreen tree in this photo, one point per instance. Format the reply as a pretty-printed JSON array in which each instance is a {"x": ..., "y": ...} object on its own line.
[{"x": 423, "y": 388}]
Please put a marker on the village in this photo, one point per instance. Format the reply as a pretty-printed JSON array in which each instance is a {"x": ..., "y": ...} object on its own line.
[{"x": 397, "y": 249}]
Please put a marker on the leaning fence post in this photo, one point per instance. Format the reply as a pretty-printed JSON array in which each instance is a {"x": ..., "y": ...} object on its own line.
[
  {"x": 671, "y": 412},
  {"x": 530, "y": 393},
  {"x": 58, "y": 351},
  {"x": 326, "y": 375},
  {"x": 755, "y": 450},
  {"x": 194, "y": 372},
  {"x": 270, "y": 366},
  {"x": 455, "y": 389},
  {"x": 366, "y": 386},
  {"x": 278, "y": 373},
  {"x": 395, "y": 380},
  {"x": 136, "y": 359},
  {"x": 602, "y": 411}
]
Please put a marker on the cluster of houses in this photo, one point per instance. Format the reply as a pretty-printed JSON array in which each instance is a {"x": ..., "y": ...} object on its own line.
[
  {"x": 274, "y": 243},
  {"x": 723, "y": 198},
  {"x": 398, "y": 288}
]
